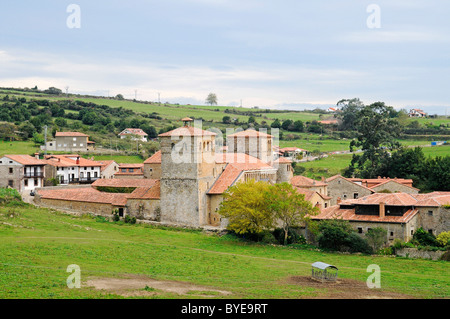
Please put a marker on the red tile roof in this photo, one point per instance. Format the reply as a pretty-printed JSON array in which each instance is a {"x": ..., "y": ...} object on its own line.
[
  {"x": 88, "y": 194},
  {"x": 154, "y": 159},
  {"x": 70, "y": 134},
  {"x": 187, "y": 131},
  {"x": 26, "y": 159},
  {"x": 302, "y": 181},
  {"x": 133, "y": 131},
  {"x": 70, "y": 160},
  {"x": 250, "y": 133},
  {"x": 334, "y": 212},
  {"x": 129, "y": 182},
  {"x": 237, "y": 163}
]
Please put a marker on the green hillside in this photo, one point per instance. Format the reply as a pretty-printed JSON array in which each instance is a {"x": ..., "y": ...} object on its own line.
[{"x": 37, "y": 245}]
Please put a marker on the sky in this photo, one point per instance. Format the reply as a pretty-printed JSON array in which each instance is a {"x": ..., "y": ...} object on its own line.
[{"x": 286, "y": 54}]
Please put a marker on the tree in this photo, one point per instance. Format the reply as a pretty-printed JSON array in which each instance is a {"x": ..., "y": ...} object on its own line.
[
  {"x": 298, "y": 126},
  {"x": 38, "y": 139},
  {"x": 226, "y": 119},
  {"x": 287, "y": 125},
  {"x": 244, "y": 206},
  {"x": 376, "y": 237},
  {"x": 376, "y": 133},
  {"x": 211, "y": 99},
  {"x": 276, "y": 124},
  {"x": 349, "y": 113},
  {"x": 288, "y": 206},
  {"x": 119, "y": 97}
]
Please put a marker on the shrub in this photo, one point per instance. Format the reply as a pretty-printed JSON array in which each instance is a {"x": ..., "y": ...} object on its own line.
[
  {"x": 293, "y": 237},
  {"x": 116, "y": 216},
  {"x": 424, "y": 238},
  {"x": 443, "y": 239},
  {"x": 130, "y": 219}
]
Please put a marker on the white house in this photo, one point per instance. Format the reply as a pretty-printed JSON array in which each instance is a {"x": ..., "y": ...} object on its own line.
[
  {"x": 22, "y": 172},
  {"x": 417, "y": 113},
  {"x": 69, "y": 169},
  {"x": 135, "y": 133}
]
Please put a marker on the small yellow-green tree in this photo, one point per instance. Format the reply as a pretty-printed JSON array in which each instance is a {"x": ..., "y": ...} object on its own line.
[
  {"x": 288, "y": 206},
  {"x": 245, "y": 207}
]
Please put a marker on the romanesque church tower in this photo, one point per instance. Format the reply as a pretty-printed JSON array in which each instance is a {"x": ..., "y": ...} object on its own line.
[{"x": 187, "y": 172}]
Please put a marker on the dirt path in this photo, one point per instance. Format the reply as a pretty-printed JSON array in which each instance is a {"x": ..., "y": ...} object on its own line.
[{"x": 345, "y": 289}]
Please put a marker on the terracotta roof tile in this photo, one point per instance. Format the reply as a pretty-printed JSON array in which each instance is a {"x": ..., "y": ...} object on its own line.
[
  {"x": 154, "y": 159},
  {"x": 90, "y": 195},
  {"x": 123, "y": 182},
  {"x": 26, "y": 159},
  {"x": 187, "y": 131},
  {"x": 133, "y": 131},
  {"x": 302, "y": 181},
  {"x": 249, "y": 133},
  {"x": 70, "y": 134}
]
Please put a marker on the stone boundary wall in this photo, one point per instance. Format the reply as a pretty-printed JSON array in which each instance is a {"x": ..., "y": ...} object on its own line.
[{"x": 416, "y": 253}]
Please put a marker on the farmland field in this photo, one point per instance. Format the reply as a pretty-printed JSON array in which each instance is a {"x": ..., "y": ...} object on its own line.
[{"x": 37, "y": 245}]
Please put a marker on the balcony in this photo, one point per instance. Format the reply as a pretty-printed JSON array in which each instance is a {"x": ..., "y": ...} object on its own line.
[
  {"x": 82, "y": 180},
  {"x": 33, "y": 174}
]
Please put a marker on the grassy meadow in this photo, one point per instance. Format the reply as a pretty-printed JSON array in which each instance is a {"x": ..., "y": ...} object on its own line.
[{"x": 37, "y": 245}]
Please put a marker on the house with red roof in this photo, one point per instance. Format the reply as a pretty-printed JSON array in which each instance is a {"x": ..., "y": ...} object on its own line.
[
  {"x": 72, "y": 169},
  {"x": 400, "y": 214},
  {"x": 22, "y": 172},
  {"x": 69, "y": 142},
  {"x": 136, "y": 134}
]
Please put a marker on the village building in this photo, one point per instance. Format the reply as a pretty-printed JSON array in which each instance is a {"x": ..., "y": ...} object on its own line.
[
  {"x": 136, "y": 134},
  {"x": 69, "y": 142},
  {"x": 71, "y": 169},
  {"x": 315, "y": 192},
  {"x": 22, "y": 172},
  {"x": 152, "y": 166},
  {"x": 417, "y": 113},
  {"x": 400, "y": 214},
  {"x": 127, "y": 171},
  {"x": 293, "y": 152},
  {"x": 341, "y": 188},
  {"x": 108, "y": 168}
]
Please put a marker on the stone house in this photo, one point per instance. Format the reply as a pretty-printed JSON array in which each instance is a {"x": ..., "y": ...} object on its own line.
[
  {"x": 341, "y": 188},
  {"x": 400, "y": 214},
  {"x": 127, "y": 171},
  {"x": 69, "y": 142},
  {"x": 152, "y": 166},
  {"x": 108, "y": 168},
  {"x": 22, "y": 172}
]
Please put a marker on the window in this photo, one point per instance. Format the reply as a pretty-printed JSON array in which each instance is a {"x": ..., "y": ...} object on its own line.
[
  {"x": 11, "y": 183},
  {"x": 392, "y": 234},
  {"x": 360, "y": 230},
  {"x": 51, "y": 144},
  {"x": 345, "y": 196},
  {"x": 124, "y": 170},
  {"x": 430, "y": 231},
  {"x": 74, "y": 139},
  {"x": 81, "y": 144},
  {"x": 430, "y": 213},
  {"x": 25, "y": 182},
  {"x": 36, "y": 182},
  {"x": 355, "y": 195},
  {"x": 74, "y": 144},
  {"x": 131, "y": 170},
  {"x": 11, "y": 170}
]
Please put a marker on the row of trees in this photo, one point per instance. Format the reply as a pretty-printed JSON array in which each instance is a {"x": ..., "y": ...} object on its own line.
[{"x": 377, "y": 132}]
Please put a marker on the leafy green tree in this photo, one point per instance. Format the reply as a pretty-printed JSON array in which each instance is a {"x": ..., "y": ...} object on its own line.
[
  {"x": 287, "y": 125},
  {"x": 276, "y": 124},
  {"x": 211, "y": 99},
  {"x": 244, "y": 206},
  {"x": 226, "y": 119},
  {"x": 377, "y": 133},
  {"x": 288, "y": 206},
  {"x": 376, "y": 237},
  {"x": 38, "y": 139},
  {"x": 298, "y": 126},
  {"x": 349, "y": 113}
]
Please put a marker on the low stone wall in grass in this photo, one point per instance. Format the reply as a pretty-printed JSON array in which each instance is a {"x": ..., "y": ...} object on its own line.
[{"x": 416, "y": 253}]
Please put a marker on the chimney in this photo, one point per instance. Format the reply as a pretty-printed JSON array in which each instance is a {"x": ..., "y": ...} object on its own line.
[
  {"x": 78, "y": 160},
  {"x": 36, "y": 155},
  {"x": 338, "y": 201},
  {"x": 382, "y": 210}
]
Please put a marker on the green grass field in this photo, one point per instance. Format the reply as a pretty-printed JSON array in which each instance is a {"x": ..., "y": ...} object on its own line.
[
  {"x": 37, "y": 245},
  {"x": 17, "y": 147}
]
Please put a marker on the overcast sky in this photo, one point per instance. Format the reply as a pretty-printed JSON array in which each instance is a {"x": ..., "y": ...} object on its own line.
[{"x": 267, "y": 53}]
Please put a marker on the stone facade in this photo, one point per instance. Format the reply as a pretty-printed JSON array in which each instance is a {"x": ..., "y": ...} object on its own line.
[
  {"x": 395, "y": 187},
  {"x": 341, "y": 188}
]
